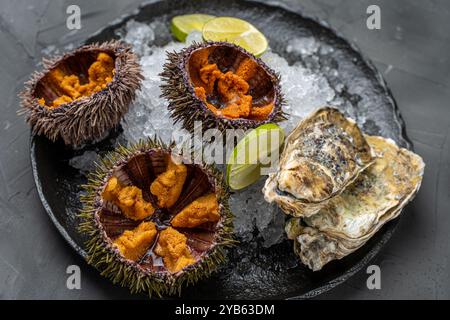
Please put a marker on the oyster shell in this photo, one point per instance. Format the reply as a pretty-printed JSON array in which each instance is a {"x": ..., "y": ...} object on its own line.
[
  {"x": 322, "y": 156},
  {"x": 350, "y": 219}
]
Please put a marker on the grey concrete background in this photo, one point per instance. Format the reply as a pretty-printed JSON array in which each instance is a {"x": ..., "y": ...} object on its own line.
[{"x": 411, "y": 49}]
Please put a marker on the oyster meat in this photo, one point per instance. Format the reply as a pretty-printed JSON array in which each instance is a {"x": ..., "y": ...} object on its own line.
[
  {"x": 353, "y": 217},
  {"x": 322, "y": 156}
]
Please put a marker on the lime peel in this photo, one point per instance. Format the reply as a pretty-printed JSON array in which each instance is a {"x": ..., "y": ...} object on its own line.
[
  {"x": 255, "y": 148},
  {"x": 182, "y": 25},
  {"x": 237, "y": 31}
]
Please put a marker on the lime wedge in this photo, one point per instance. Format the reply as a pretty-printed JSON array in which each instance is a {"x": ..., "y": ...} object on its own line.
[
  {"x": 181, "y": 26},
  {"x": 254, "y": 151},
  {"x": 236, "y": 31}
]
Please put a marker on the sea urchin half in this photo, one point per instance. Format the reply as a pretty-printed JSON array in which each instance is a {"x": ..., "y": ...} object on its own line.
[
  {"x": 222, "y": 85},
  {"x": 154, "y": 222},
  {"x": 80, "y": 95}
]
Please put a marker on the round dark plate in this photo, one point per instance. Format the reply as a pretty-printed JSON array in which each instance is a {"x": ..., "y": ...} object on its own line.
[{"x": 265, "y": 272}]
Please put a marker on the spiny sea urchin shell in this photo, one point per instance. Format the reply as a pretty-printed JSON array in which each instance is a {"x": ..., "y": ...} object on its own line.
[
  {"x": 155, "y": 224},
  {"x": 88, "y": 117},
  {"x": 222, "y": 85}
]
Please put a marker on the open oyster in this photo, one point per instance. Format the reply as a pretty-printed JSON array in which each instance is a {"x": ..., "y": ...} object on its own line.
[
  {"x": 155, "y": 223},
  {"x": 351, "y": 218},
  {"x": 322, "y": 156}
]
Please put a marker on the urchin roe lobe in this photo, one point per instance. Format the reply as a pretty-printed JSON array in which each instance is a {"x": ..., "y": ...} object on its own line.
[
  {"x": 231, "y": 82},
  {"x": 78, "y": 76},
  {"x": 160, "y": 213}
]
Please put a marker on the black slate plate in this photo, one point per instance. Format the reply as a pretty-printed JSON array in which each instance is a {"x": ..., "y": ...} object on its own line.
[{"x": 266, "y": 273}]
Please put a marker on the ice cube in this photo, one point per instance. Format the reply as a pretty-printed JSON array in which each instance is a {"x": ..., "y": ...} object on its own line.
[
  {"x": 304, "y": 90},
  {"x": 85, "y": 162},
  {"x": 304, "y": 46},
  {"x": 194, "y": 36}
]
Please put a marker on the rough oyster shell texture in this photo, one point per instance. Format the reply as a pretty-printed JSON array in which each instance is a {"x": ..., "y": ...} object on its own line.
[
  {"x": 351, "y": 218},
  {"x": 322, "y": 156},
  {"x": 340, "y": 185}
]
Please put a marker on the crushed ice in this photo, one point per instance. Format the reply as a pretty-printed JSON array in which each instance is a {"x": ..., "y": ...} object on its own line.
[
  {"x": 303, "y": 46},
  {"x": 85, "y": 162},
  {"x": 304, "y": 89}
]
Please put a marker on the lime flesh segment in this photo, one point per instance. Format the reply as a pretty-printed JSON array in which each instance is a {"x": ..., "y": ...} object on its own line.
[
  {"x": 236, "y": 31},
  {"x": 181, "y": 26},
  {"x": 251, "y": 153}
]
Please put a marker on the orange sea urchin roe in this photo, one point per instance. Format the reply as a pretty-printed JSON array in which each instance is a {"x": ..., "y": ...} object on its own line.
[
  {"x": 209, "y": 74},
  {"x": 168, "y": 185},
  {"x": 129, "y": 199},
  {"x": 231, "y": 87},
  {"x": 233, "y": 91},
  {"x": 133, "y": 244},
  {"x": 173, "y": 249},
  {"x": 261, "y": 113},
  {"x": 203, "y": 209},
  {"x": 100, "y": 73},
  {"x": 246, "y": 69}
]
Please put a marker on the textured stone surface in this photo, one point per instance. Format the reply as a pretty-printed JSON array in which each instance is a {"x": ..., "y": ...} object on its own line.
[{"x": 410, "y": 50}]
